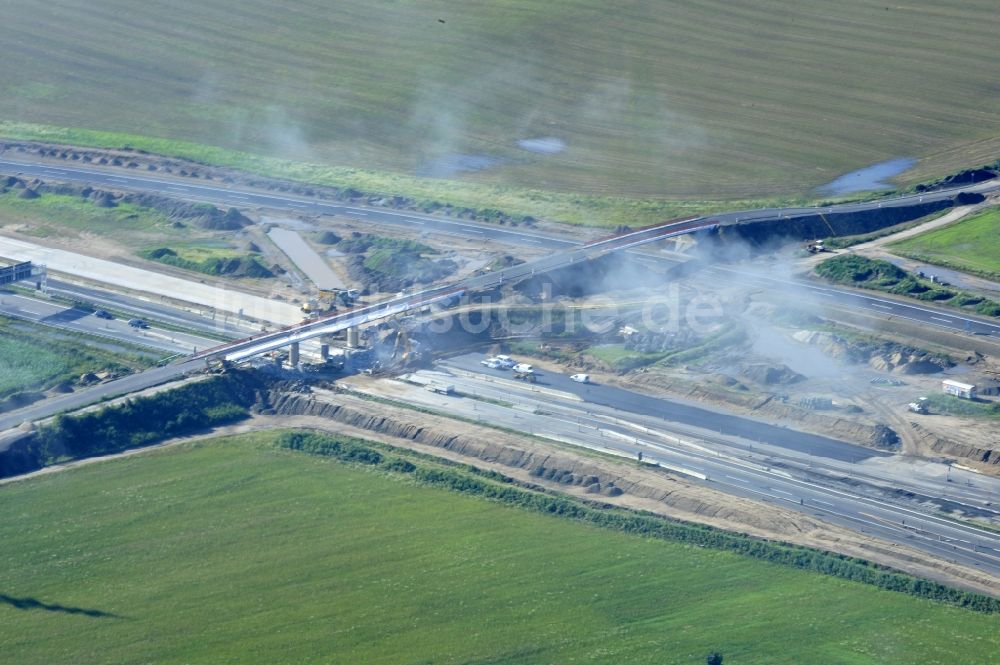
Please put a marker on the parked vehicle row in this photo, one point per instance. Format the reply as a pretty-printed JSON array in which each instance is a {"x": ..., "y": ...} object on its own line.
[
  {"x": 501, "y": 362},
  {"x": 523, "y": 371}
]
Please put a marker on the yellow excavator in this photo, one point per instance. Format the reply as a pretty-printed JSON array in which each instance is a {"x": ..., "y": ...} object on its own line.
[{"x": 324, "y": 302}]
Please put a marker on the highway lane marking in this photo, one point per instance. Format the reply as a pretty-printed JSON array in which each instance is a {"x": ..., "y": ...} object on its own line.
[
  {"x": 825, "y": 503},
  {"x": 928, "y": 519},
  {"x": 873, "y": 304},
  {"x": 739, "y": 480},
  {"x": 88, "y": 176},
  {"x": 882, "y": 524},
  {"x": 938, "y": 318},
  {"x": 775, "y": 489},
  {"x": 855, "y": 296},
  {"x": 941, "y": 194}
]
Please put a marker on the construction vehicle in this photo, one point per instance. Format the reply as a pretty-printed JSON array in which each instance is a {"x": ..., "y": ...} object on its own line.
[
  {"x": 920, "y": 406},
  {"x": 525, "y": 375},
  {"x": 816, "y": 247},
  {"x": 324, "y": 302}
]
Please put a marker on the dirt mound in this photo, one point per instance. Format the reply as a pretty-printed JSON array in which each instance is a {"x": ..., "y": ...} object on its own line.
[
  {"x": 28, "y": 193},
  {"x": 983, "y": 453},
  {"x": 20, "y": 400},
  {"x": 215, "y": 220},
  {"x": 763, "y": 233},
  {"x": 883, "y": 356},
  {"x": 103, "y": 199},
  {"x": 770, "y": 375},
  {"x": 328, "y": 238},
  {"x": 605, "y": 479}
]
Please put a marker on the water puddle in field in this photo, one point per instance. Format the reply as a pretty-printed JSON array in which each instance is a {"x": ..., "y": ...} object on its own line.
[
  {"x": 547, "y": 145},
  {"x": 869, "y": 178}
]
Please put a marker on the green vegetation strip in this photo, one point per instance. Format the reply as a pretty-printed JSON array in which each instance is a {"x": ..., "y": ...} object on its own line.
[
  {"x": 954, "y": 406},
  {"x": 59, "y": 215},
  {"x": 880, "y": 275},
  {"x": 34, "y": 357},
  {"x": 219, "y": 263},
  {"x": 236, "y": 551},
  {"x": 136, "y": 422},
  {"x": 971, "y": 245},
  {"x": 500, "y": 488}
]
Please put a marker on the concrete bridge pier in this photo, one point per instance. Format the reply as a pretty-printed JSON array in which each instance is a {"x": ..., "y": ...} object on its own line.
[
  {"x": 353, "y": 338},
  {"x": 293, "y": 354},
  {"x": 324, "y": 352}
]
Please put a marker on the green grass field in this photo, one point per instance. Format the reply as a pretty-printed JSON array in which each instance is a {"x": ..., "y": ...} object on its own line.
[
  {"x": 621, "y": 359},
  {"x": 68, "y": 216},
  {"x": 34, "y": 357},
  {"x": 232, "y": 551},
  {"x": 954, "y": 406},
  {"x": 682, "y": 100},
  {"x": 971, "y": 244},
  {"x": 879, "y": 275}
]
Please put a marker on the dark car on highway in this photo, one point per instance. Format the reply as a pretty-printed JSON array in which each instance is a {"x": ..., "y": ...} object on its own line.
[
  {"x": 138, "y": 323},
  {"x": 102, "y": 314}
]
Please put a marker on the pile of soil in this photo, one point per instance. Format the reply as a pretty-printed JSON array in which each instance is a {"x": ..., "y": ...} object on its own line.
[
  {"x": 771, "y": 375},
  {"x": 884, "y": 357},
  {"x": 204, "y": 215}
]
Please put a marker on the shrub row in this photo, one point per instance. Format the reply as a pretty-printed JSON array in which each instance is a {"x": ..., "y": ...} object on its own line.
[
  {"x": 494, "y": 486},
  {"x": 880, "y": 275},
  {"x": 136, "y": 422}
]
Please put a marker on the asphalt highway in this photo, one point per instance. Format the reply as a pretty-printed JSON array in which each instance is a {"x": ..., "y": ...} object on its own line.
[
  {"x": 233, "y": 196},
  {"x": 876, "y": 303},
  {"x": 932, "y": 534},
  {"x": 570, "y": 253},
  {"x": 225, "y": 195},
  {"x": 556, "y": 415},
  {"x": 244, "y": 198},
  {"x": 223, "y": 325},
  {"x": 78, "y": 320},
  {"x": 675, "y": 411},
  {"x": 123, "y": 386}
]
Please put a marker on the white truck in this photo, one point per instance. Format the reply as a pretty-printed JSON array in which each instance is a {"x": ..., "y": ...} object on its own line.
[{"x": 441, "y": 388}]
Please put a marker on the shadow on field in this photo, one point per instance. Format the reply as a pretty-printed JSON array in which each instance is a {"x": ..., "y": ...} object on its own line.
[{"x": 34, "y": 604}]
